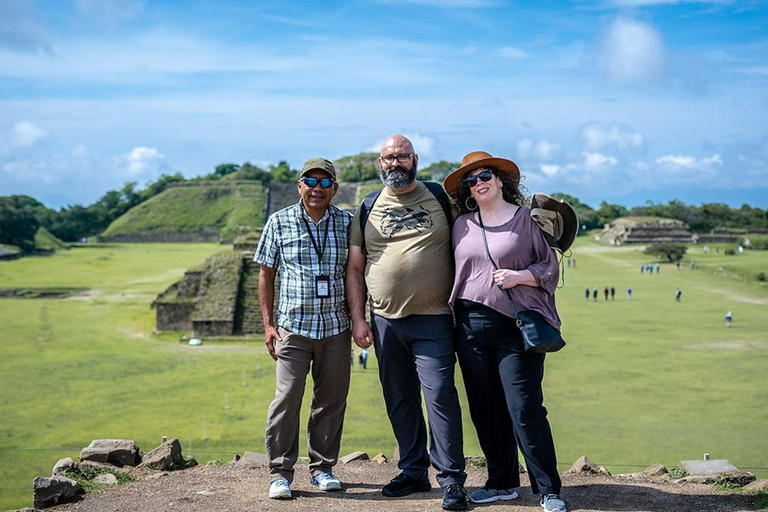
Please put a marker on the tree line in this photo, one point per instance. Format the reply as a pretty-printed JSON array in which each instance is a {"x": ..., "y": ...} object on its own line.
[{"x": 21, "y": 216}]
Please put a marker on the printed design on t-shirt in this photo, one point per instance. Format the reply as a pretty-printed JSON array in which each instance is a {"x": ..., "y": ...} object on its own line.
[{"x": 394, "y": 221}]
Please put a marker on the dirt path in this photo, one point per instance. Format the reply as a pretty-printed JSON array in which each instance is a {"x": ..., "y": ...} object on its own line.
[{"x": 240, "y": 489}]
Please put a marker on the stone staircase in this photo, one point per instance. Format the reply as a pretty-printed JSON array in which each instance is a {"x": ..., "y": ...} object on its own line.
[{"x": 248, "y": 316}]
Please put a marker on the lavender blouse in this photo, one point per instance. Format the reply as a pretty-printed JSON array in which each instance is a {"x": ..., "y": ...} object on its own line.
[{"x": 518, "y": 244}]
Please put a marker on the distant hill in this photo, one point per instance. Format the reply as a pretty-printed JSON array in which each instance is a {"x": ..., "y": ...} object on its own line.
[
  {"x": 45, "y": 240},
  {"x": 193, "y": 211}
]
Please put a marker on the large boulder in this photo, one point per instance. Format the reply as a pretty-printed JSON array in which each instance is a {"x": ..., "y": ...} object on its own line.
[
  {"x": 165, "y": 456},
  {"x": 584, "y": 466},
  {"x": 118, "y": 452},
  {"x": 66, "y": 465},
  {"x": 253, "y": 460},
  {"x": 55, "y": 490}
]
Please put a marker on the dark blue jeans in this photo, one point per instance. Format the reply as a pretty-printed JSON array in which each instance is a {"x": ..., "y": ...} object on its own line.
[
  {"x": 416, "y": 354},
  {"x": 505, "y": 398}
]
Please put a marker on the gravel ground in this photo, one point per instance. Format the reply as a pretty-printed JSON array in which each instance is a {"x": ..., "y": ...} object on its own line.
[{"x": 233, "y": 488}]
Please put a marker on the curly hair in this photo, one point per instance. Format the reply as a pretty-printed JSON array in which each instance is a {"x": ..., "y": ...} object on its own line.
[{"x": 511, "y": 191}]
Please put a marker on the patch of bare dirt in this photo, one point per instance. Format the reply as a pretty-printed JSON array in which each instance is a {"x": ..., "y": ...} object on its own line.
[{"x": 239, "y": 489}]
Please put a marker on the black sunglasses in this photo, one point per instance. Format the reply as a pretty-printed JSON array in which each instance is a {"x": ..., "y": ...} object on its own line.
[
  {"x": 483, "y": 176},
  {"x": 312, "y": 182}
]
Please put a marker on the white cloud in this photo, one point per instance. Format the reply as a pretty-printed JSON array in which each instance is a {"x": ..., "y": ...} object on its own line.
[
  {"x": 597, "y": 162},
  {"x": 597, "y": 136},
  {"x": 26, "y": 134},
  {"x": 510, "y": 52},
  {"x": 422, "y": 145},
  {"x": 631, "y": 53},
  {"x": 141, "y": 162},
  {"x": 542, "y": 150},
  {"x": 675, "y": 162},
  {"x": 549, "y": 170}
]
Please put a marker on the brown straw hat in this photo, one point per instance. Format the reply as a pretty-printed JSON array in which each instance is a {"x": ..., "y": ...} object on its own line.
[
  {"x": 476, "y": 160},
  {"x": 557, "y": 220}
]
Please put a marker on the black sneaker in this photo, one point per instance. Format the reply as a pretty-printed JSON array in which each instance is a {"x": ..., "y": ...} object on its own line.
[
  {"x": 455, "y": 498},
  {"x": 403, "y": 485}
]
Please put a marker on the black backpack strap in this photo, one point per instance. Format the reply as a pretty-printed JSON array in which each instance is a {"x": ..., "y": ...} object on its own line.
[
  {"x": 442, "y": 197},
  {"x": 365, "y": 210}
]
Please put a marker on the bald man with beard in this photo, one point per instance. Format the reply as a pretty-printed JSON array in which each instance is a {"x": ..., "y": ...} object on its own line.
[{"x": 407, "y": 271}]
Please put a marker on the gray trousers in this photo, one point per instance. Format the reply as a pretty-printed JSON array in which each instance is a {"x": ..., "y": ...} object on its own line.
[
  {"x": 329, "y": 361},
  {"x": 415, "y": 354}
]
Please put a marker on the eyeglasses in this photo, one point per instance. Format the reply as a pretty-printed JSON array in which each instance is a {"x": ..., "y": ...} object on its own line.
[
  {"x": 483, "y": 176},
  {"x": 389, "y": 159},
  {"x": 312, "y": 182}
]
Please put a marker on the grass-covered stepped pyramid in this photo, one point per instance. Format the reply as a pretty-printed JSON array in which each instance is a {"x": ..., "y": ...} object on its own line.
[{"x": 193, "y": 212}]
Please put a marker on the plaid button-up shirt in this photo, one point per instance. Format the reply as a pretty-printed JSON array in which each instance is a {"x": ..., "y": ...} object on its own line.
[{"x": 286, "y": 245}]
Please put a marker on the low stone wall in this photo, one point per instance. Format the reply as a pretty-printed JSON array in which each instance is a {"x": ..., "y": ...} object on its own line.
[
  {"x": 174, "y": 316},
  {"x": 208, "y": 328},
  {"x": 206, "y": 235}
]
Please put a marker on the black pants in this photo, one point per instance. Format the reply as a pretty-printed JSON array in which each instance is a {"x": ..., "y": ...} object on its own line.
[
  {"x": 505, "y": 398},
  {"x": 416, "y": 356}
]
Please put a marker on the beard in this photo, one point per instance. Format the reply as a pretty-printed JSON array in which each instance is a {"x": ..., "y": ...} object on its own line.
[{"x": 398, "y": 177}]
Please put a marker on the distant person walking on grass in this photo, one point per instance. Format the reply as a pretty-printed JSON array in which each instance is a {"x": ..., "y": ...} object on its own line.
[
  {"x": 629, "y": 293},
  {"x": 586, "y": 293},
  {"x": 305, "y": 246},
  {"x": 728, "y": 319},
  {"x": 606, "y": 292},
  {"x": 594, "y": 295},
  {"x": 678, "y": 295},
  {"x": 613, "y": 292}
]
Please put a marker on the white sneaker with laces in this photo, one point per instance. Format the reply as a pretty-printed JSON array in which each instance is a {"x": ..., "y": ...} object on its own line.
[
  {"x": 552, "y": 503},
  {"x": 326, "y": 482},
  {"x": 280, "y": 489}
]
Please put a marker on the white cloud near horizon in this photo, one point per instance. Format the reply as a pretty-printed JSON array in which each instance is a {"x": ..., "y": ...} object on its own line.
[
  {"x": 631, "y": 53},
  {"x": 141, "y": 162},
  {"x": 597, "y": 162},
  {"x": 542, "y": 150},
  {"x": 597, "y": 136}
]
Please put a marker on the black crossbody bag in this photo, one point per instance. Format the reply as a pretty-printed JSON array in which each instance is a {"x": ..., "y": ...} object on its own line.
[{"x": 538, "y": 335}]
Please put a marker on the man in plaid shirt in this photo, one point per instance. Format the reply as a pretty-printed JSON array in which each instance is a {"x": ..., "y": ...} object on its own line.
[{"x": 304, "y": 247}]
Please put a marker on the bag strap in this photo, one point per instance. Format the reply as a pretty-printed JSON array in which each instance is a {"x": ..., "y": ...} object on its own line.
[{"x": 496, "y": 267}]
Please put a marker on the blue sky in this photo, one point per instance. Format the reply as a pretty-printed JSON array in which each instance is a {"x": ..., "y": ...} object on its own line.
[{"x": 617, "y": 100}]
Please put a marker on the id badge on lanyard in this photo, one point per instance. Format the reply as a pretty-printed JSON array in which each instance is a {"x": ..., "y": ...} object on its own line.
[{"x": 323, "y": 287}]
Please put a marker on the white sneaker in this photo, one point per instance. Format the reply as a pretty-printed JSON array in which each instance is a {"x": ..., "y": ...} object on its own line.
[
  {"x": 552, "y": 503},
  {"x": 280, "y": 489},
  {"x": 326, "y": 482}
]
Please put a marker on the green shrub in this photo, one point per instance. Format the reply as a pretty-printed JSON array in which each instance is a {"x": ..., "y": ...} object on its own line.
[
  {"x": 761, "y": 277},
  {"x": 727, "y": 483},
  {"x": 87, "y": 473},
  {"x": 677, "y": 472}
]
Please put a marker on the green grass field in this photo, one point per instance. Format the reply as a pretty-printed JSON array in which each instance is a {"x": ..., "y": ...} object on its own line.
[{"x": 651, "y": 380}]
